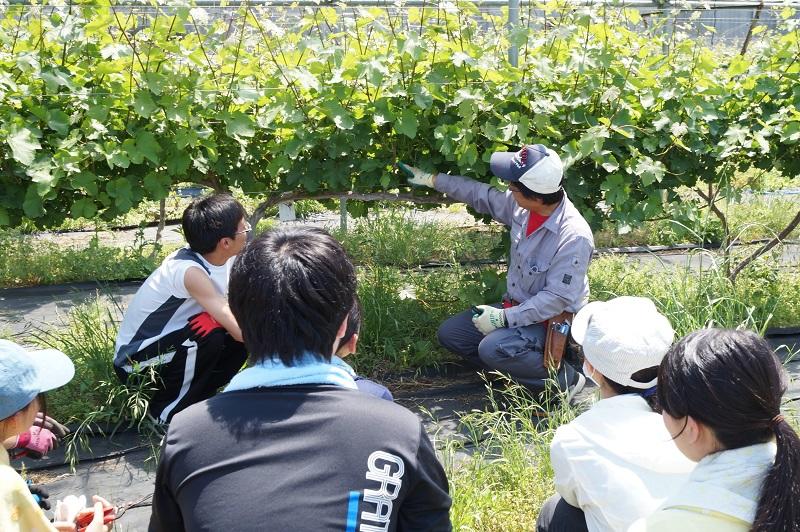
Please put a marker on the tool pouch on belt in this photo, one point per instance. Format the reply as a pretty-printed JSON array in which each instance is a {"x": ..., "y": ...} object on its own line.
[{"x": 556, "y": 341}]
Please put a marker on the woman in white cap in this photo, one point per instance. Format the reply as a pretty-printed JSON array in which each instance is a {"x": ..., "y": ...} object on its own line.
[
  {"x": 24, "y": 377},
  {"x": 616, "y": 462}
]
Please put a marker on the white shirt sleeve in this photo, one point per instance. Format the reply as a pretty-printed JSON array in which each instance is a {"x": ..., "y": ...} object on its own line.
[
  {"x": 563, "y": 474},
  {"x": 178, "y": 275}
]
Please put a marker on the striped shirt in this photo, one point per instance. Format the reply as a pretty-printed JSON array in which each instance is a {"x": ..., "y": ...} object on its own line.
[{"x": 162, "y": 306}]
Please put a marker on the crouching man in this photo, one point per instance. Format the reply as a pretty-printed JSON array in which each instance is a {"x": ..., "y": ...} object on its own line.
[
  {"x": 291, "y": 444},
  {"x": 179, "y": 320},
  {"x": 551, "y": 245}
]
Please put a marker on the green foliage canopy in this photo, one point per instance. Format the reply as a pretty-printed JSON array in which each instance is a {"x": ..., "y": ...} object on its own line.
[{"x": 105, "y": 106}]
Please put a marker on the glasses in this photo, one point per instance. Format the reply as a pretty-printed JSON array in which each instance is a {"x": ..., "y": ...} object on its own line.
[{"x": 247, "y": 229}]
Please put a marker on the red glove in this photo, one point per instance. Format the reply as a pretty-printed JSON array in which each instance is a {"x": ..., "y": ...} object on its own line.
[
  {"x": 36, "y": 442},
  {"x": 203, "y": 324}
]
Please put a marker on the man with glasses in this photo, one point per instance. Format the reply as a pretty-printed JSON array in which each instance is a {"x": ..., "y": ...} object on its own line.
[
  {"x": 179, "y": 320},
  {"x": 551, "y": 246}
]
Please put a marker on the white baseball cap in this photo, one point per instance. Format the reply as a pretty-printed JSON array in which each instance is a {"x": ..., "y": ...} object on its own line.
[
  {"x": 622, "y": 336},
  {"x": 25, "y": 374},
  {"x": 536, "y": 166}
]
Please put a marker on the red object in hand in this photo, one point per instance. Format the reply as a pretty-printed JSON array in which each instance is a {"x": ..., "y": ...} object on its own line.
[
  {"x": 203, "y": 324},
  {"x": 86, "y": 515}
]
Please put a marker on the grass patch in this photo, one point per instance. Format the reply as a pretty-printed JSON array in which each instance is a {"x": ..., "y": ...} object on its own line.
[
  {"x": 754, "y": 218},
  {"x": 401, "y": 313},
  {"x": 763, "y": 217},
  {"x": 87, "y": 334},
  {"x": 502, "y": 485},
  {"x": 763, "y": 180},
  {"x": 29, "y": 261},
  {"x": 762, "y": 296},
  {"x": 660, "y": 233},
  {"x": 391, "y": 238},
  {"x": 394, "y": 237},
  {"x": 95, "y": 401}
]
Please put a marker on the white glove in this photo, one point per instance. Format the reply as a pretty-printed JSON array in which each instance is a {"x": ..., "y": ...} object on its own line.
[
  {"x": 68, "y": 508},
  {"x": 72, "y": 514},
  {"x": 417, "y": 177},
  {"x": 489, "y": 319}
]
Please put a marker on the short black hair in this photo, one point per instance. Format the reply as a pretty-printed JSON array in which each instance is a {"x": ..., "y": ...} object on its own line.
[
  {"x": 547, "y": 199},
  {"x": 353, "y": 322},
  {"x": 210, "y": 219},
  {"x": 290, "y": 290}
]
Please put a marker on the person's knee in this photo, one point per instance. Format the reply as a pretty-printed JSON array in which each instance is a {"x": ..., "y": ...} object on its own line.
[
  {"x": 498, "y": 351},
  {"x": 487, "y": 350},
  {"x": 557, "y": 515},
  {"x": 546, "y": 514},
  {"x": 441, "y": 334},
  {"x": 216, "y": 337},
  {"x": 445, "y": 335},
  {"x": 235, "y": 349}
]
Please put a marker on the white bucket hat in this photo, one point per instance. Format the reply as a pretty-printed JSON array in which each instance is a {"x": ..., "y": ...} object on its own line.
[{"x": 622, "y": 336}]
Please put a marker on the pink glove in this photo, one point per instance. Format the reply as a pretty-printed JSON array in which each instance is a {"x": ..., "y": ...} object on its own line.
[{"x": 36, "y": 442}]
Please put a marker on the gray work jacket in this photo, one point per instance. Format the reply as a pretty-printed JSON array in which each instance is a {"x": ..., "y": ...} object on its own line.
[{"x": 547, "y": 271}]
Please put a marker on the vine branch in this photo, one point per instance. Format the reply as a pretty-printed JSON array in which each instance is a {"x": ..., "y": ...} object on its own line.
[
  {"x": 750, "y": 29},
  {"x": 766, "y": 247},
  {"x": 271, "y": 201}
]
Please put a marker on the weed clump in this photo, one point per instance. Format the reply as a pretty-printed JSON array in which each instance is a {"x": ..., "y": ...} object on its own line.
[
  {"x": 95, "y": 402},
  {"x": 501, "y": 475}
]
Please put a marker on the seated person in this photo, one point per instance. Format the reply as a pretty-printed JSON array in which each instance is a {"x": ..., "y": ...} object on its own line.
[
  {"x": 24, "y": 377},
  {"x": 721, "y": 394},
  {"x": 347, "y": 347},
  {"x": 291, "y": 444},
  {"x": 615, "y": 463},
  {"x": 179, "y": 320}
]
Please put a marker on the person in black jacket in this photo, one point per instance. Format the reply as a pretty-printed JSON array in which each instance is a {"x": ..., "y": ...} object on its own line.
[
  {"x": 291, "y": 444},
  {"x": 347, "y": 347}
]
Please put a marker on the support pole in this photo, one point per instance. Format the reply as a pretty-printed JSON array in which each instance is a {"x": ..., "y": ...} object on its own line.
[
  {"x": 343, "y": 214},
  {"x": 286, "y": 212},
  {"x": 513, "y": 21}
]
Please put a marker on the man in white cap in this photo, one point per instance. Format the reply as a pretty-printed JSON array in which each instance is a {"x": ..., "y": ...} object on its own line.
[
  {"x": 551, "y": 246},
  {"x": 616, "y": 462}
]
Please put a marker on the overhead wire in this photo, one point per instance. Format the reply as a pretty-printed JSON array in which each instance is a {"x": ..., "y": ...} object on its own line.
[{"x": 486, "y": 5}]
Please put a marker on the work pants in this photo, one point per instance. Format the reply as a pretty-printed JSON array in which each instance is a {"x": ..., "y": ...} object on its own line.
[{"x": 516, "y": 351}]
